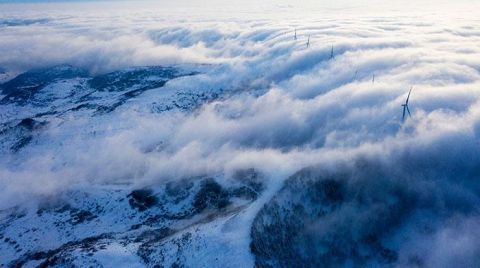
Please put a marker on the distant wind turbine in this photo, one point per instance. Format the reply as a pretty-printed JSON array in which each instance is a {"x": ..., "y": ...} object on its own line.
[
  {"x": 373, "y": 78},
  {"x": 295, "y": 37},
  {"x": 355, "y": 75},
  {"x": 331, "y": 53},
  {"x": 405, "y": 106},
  {"x": 308, "y": 41}
]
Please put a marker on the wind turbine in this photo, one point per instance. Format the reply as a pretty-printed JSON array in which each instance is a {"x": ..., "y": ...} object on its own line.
[
  {"x": 373, "y": 78},
  {"x": 331, "y": 53},
  {"x": 295, "y": 37},
  {"x": 405, "y": 106},
  {"x": 308, "y": 41}
]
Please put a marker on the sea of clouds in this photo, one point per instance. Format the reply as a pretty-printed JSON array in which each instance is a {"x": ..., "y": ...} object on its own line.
[{"x": 289, "y": 106}]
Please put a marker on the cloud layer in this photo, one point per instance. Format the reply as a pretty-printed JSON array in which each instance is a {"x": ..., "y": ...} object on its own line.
[{"x": 285, "y": 106}]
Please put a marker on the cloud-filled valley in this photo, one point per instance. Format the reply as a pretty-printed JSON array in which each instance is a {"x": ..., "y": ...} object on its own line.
[{"x": 279, "y": 152}]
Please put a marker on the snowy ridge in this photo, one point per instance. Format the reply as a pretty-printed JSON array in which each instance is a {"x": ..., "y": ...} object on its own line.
[{"x": 143, "y": 224}]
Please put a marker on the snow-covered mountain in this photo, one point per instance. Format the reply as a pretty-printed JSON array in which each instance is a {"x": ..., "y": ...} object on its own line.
[
  {"x": 192, "y": 135},
  {"x": 161, "y": 223},
  {"x": 169, "y": 225}
]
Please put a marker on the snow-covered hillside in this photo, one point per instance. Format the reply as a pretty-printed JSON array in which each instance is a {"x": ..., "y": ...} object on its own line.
[{"x": 267, "y": 135}]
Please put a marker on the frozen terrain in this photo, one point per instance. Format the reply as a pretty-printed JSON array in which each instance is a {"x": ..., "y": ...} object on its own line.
[{"x": 159, "y": 134}]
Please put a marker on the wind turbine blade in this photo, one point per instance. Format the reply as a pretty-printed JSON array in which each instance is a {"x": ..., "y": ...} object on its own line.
[
  {"x": 408, "y": 110},
  {"x": 408, "y": 97}
]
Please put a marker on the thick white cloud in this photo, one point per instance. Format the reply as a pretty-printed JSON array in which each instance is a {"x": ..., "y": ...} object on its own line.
[
  {"x": 287, "y": 107},
  {"x": 311, "y": 103}
]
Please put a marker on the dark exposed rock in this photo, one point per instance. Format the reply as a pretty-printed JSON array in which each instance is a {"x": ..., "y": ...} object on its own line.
[
  {"x": 54, "y": 256},
  {"x": 81, "y": 216},
  {"x": 251, "y": 178},
  {"x": 244, "y": 192},
  {"x": 151, "y": 238},
  {"x": 27, "y": 123},
  {"x": 210, "y": 195},
  {"x": 21, "y": 142},
  {"x": 142, "y": 199},
  {"x": 30, "y": 124},
  {"x": 24, "y": 131},
  {"x": 178, "y": 190}
]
